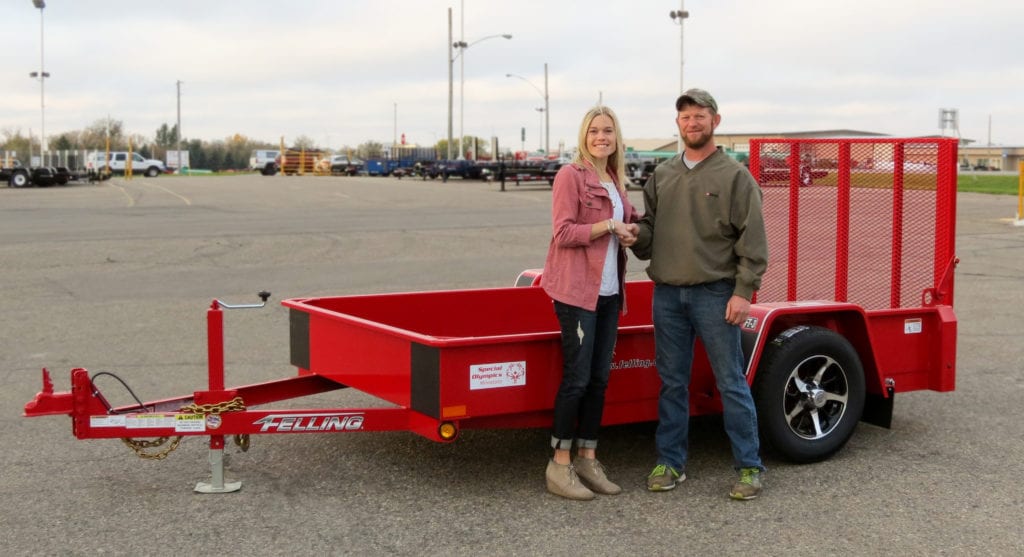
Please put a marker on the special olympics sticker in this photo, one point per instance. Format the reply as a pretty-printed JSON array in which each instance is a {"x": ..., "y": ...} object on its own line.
[
  {"x": 497, "y": 375},
  {"x": 213, "y": 421}
]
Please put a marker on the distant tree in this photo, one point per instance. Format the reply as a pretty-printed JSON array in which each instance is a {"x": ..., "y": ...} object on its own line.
[
  {"x": 442, "y": 149},
  {"x": 14, "y": 141},
  {"x": 370, "y": 150},
  {"x": 62, "y": 143},
  {"x": 167, "y": 136},
  {"x": 304, "y": 142},
  {"x": 95, "y": 136},
  {"x": 482, "y": 146},
  {"x": 196, "y": 153},
  {"x": 237, "y": 149},
  {"x": 214, "y": 156}
]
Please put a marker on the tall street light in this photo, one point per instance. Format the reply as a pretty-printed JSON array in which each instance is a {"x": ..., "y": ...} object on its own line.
[
  {"x": 677, "y": 17},
  {"x": 450, "y": 62},
  {"x": 547, "y": 111},
  {"x": 462, "y": 46},
  {"x": 42, "y": 75},
  {"x": 540, "y": 128},
  {"x": 180, "y": 165}
]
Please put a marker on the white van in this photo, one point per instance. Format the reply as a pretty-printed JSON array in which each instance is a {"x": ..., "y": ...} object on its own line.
[{"x": 264, "y": 160}]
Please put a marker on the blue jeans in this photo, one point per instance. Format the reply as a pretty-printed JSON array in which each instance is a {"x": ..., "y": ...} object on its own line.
[
  {"x": 588, "y": 341},
  {"x": 681, "y": 314}
]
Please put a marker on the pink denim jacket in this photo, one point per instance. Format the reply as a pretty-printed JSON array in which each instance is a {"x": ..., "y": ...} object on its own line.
[{"x": 572, "y": 270}]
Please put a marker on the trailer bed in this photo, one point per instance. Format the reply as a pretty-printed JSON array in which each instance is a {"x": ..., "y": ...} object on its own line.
[{"x": 486, "y": 356}]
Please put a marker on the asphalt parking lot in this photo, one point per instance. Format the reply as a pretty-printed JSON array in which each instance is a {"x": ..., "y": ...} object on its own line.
[{"x": 117, "y": 277}]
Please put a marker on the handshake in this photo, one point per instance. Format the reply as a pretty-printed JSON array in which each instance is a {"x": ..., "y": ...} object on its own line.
[{"x": 626, "y": 233}]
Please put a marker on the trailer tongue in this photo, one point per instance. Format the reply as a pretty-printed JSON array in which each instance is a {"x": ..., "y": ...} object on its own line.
[{"x": 857, "y": 305}]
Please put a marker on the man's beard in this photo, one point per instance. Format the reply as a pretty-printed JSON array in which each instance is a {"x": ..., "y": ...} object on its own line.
[{"x": 700, "y": 142}]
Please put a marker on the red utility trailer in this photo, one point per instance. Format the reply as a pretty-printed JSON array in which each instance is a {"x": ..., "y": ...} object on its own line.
[{"x": 856, "y": 305}]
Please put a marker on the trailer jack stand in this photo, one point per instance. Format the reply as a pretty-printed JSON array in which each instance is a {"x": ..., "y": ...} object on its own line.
[{"x": 216, "y": 484}]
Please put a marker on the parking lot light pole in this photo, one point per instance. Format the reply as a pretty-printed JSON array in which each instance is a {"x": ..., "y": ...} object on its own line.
[
  {"x": 450, "y": 62},
  {"x": 462, "y": 46},
  {"x": 540, "y": 128},
  {"x": 546, "y": 110},
  {"x": 678, "y": 17},
  {"x": 42, "y": 75},
  {"x": 180, "y": 165}
]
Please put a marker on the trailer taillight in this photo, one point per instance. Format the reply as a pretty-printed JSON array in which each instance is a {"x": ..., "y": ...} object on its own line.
[{"x": 447, "y": 431}]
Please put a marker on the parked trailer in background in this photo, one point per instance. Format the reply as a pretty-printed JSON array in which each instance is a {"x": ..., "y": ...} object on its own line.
[
  {"x": 855, "y": 307},
  {"x": 15, "y": 175},
  {"x": 300, "y": 161}
]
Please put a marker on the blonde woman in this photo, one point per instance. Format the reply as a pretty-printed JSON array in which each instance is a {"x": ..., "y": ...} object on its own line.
[{"x": 584, "y": 274}]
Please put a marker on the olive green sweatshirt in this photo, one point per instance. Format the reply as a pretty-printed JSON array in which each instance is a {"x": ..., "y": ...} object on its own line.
[{"x": 703, "y": 225}]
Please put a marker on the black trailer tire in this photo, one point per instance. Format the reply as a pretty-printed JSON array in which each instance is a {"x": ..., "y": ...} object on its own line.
[
  {"x": 809, "y": 393},
  {"x": 19, "y": 179}
]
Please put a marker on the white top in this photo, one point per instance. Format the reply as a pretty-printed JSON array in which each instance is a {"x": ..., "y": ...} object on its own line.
[{"x": 610, "y": 274}]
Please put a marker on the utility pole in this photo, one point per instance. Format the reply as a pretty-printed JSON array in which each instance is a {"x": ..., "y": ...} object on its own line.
[
  {"x": 547, "y": 114},
  {"x": 462, "y": 76},
  {"x": 179, "y": 127}
]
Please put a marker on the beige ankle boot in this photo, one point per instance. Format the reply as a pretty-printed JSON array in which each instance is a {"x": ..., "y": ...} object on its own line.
[
  {"x": 592, "y": 473},
  {"x": 563, "y": 481}
]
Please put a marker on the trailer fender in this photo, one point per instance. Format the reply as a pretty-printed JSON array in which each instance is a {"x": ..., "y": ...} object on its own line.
[
  {"x": 767, "y": 321},
  {"x": 529, "y": 277}
]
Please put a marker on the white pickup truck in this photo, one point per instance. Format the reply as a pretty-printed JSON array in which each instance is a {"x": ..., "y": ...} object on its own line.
[
  {"x": 95, "y": 163},
  {"x": 264, "y": 161}
]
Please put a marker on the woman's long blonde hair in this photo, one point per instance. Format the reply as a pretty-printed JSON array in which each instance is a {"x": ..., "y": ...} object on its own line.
[{"x": 617, "y": 160}]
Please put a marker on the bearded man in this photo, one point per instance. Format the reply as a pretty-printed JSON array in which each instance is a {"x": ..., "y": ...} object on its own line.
[{"x": 703, "y": 232}]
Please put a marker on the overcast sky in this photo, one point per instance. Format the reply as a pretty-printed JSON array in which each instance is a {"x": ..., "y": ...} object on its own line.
[{"x": 335, "y": 70}]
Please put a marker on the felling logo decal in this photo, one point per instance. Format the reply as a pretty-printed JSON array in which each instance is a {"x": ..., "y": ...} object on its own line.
[
  {"x": 298, "y": 423},
  {"x": 492, "y": 376},
  {"x": 633, "y": 363}
]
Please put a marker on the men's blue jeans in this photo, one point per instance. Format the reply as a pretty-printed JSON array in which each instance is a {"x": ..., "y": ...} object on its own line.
[
  {"x": 681, "y": 314},
  {"x": 588, "y": 341}
]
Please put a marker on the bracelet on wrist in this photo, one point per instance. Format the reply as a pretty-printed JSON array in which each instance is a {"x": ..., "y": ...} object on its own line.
[{"x": 611, "y": 226}]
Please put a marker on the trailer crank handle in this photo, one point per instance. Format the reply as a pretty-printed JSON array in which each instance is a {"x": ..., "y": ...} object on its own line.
[{"x": 263, "y": 294}]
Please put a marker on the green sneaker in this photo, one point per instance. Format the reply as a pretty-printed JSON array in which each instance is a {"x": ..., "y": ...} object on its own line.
[
  {"x": 664, "y": 478},
  {"x": 749, "y": 485}
]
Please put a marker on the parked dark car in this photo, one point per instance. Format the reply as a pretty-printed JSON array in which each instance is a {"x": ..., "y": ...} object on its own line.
[
  {"x": 403, "y": 171},
  {"x": 638, "y": 173}
]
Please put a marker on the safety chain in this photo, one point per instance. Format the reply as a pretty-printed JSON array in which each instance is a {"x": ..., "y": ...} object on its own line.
[
  {"x": 230, "y": 406},
  {"x": 140, "y": 445}
]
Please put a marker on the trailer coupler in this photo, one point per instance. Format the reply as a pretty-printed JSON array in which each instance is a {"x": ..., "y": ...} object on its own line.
[{"x": 47, "y": 402}]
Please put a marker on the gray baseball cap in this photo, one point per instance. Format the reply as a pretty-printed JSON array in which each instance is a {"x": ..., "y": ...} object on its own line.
[{"x": 698, "y": 97}]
